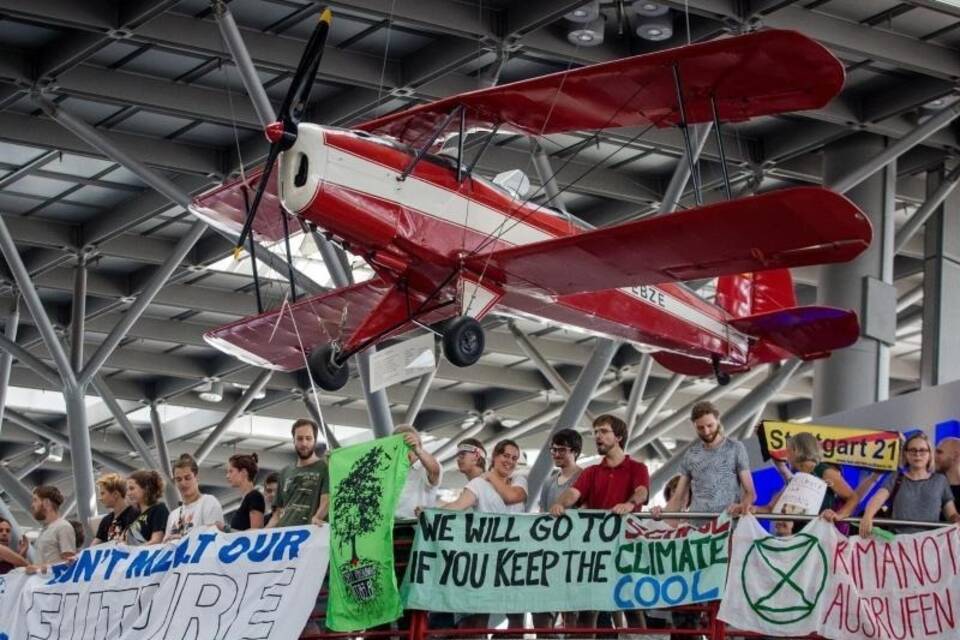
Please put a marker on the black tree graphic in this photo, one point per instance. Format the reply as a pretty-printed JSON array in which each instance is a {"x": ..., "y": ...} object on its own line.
[{"x": 356, "y": 509}]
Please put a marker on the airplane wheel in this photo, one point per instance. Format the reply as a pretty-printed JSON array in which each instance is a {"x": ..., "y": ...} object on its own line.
[
  {"x": 328, "y": 375},
  {"x": 463, "y": 341},
  {"x": 723, "y": 378}
]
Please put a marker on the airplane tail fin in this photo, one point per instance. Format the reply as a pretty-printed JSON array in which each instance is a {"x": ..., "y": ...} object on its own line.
[{"x": 764, "y": 307}]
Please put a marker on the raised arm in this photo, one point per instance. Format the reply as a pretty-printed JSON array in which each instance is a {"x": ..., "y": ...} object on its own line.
[{"x": 843, "y": 491}]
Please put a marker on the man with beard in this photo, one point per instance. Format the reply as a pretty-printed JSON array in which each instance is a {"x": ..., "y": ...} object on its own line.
[
  {"x": 10, "y": 559},
  {"x": 57, "y": 541},
  {"x": 715, "y": 469},
  {"x": 303, "y": 493},
  {"x": 618, "y": 483},
  {"x": 947, "y": 459}
]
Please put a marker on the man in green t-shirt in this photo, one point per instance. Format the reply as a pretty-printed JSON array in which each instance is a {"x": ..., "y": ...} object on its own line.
[{"x": 303, "y": 494}]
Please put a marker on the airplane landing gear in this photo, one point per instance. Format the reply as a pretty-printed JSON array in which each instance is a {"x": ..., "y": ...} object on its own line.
[
  {"x": 723, "y": 378},
  {"x": 327, "y": 372},
  {"x": 463, "y": 341}
]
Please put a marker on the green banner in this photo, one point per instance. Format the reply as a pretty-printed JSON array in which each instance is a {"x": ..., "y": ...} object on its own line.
[
  {"x": 365, "y": 481},
  {"x": 585, "y": 560}
]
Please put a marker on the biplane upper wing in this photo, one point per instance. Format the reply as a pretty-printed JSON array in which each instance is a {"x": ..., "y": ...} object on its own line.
[
  {"x": 349, "y": 316},
  {"x": 781, "y": 229},
  {"x": 757, "y": 74},
  {"x": 226, "y": 208}
]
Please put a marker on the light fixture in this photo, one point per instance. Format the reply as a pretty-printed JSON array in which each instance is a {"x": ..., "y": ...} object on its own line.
[
  {"x": 211, "y": 392},
  {"x": 55, "y": 453},
  {"x": 587, "y": 35},
  {"x": 649, "y": 9},
  {"x": 259, "y": 395},
  {"x": 656, "y": 29},
  {"x": 584, "y": 13}
]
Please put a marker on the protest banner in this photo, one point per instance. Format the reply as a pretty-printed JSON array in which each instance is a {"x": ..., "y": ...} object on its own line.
[
  {"x": 867, "y": 448},
  {"x": 803, "y": 494},
  {"x": 365, "y": 480},
  {"x": 596, "y": 560},
  {"x": 210, "y": 585},
  {"x": 819, "y": 581}
]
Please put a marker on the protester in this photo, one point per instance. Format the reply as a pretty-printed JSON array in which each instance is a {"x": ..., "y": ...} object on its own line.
[
  {"x": 10, "y": 559},
  {"x": 916, "y": 493},
  {"x": 57, "y": 541},
  {"x": 420, "y": 487},
  {"x": 113, "y": 496},
  {"x": 495, "y": 491},
  {"x": 144, "y": 488},
  {"x": 197, "y": 509},
  {"x": 618, "y": 484},
  {"x": 947, "y": 460},
  {"x": 806, "y": 456},
  {"x": 565, "y": 448},
  {"x": 303, "y": 494},
  {"x": 242, "y": 470},
  {"x": 715, "y": 469},
  {"x": 270, "y": 493},
  {"x": 471, "y": 458}
]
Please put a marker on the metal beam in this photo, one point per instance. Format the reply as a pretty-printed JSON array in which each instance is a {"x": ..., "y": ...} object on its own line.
[
  {"x": 936, "y": 122},
  {"x": 35, "y": 305},
  {"x": 681, "y": 173},
  {"x": 146, "y": 296},
  {"x": 78, "y": 313},
  {"x": 658, "y": 403},
  {"x": 232, "y": 414},
  {"x": 81, "y": 454},
  {"x": 636, "y": 393},
  {"x": 928, "y": 208},
  {"x": 129, "y": 431},
  {"x": 170, "y": 492},
  {"x": 573, "y": 410},
  {"x": 14, "y": 488},
  {"x": 241, "y": 57},
  {"x": 419, "y": 395},
  {"x": 7, "y": 515},
  {"x": 6, "y": 358}
]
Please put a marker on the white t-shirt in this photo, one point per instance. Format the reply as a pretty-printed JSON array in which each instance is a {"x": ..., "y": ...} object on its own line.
[
  {"x": 200, "y": 513},
  {"x": 488, "y": 500},
  {"x": 417, "y": 491}
]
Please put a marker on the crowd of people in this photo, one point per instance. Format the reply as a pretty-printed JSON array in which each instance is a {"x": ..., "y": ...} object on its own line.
[{"x": 714, "y": 477}]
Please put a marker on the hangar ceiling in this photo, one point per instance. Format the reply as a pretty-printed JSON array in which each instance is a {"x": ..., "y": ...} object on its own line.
[{"x": 155, "y": 79}]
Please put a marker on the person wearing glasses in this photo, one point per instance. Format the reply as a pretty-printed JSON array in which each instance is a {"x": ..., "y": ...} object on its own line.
[
  {"x": 565, "y": 447},
  {"x": 916, "y": 493},
  {"x": 618, "y": 484}
]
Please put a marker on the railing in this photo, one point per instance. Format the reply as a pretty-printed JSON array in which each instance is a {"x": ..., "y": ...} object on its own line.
[{"x": 414, "y": 625}]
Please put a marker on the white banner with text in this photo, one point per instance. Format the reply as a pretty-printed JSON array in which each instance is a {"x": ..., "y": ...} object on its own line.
[{"x": 209, "y": 585}]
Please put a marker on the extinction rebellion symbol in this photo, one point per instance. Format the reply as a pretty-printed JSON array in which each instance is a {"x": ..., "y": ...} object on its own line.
[{"x": 786, "y": 577}]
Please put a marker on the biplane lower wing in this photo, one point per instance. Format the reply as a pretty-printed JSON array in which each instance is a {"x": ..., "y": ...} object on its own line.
[
  {"x": 350, "y": 317},
  {"x": 781, "y": 229}
]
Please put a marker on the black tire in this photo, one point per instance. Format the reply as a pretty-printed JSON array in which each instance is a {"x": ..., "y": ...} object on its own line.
[
  {"x": 327, "y": 374},
  {"x": 723, "y": 378},
  {"x": 463, "y": 341}
]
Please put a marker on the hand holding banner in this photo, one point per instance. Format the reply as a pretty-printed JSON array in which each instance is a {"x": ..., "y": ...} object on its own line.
[{"x": 513, "y": 563}]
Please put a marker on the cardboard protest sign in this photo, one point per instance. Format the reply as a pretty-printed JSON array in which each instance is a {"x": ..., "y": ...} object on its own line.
[
  {"x": 867, "y": 448},
  {"x": 365, "y": 482},
  {"x": 514, "y": 563},
  {"x": 802, "y": 495},
  {"x": 821, "y": 582},
  {"x": 211, "y": 585}
]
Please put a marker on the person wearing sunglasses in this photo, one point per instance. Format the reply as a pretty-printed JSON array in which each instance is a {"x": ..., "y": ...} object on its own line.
[{"x": 916, "y": 493}]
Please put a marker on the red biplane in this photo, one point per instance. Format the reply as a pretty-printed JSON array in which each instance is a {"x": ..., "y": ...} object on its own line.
[{"x": 448, "y": 246}]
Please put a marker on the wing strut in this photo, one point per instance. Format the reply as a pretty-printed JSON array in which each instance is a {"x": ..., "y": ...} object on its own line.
[{"x": 685, "y": 129}]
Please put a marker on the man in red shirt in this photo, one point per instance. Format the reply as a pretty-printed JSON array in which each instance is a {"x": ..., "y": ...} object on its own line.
[{"x": 618, "y": 484}]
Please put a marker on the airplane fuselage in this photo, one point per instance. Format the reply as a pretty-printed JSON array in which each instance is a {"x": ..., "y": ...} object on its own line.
[{"x": 421, "y": 226}]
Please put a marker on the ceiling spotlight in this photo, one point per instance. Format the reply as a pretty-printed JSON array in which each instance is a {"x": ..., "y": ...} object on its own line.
[
  {"x": 656, "y": 29},
  {"x": 649, "y": 9},
  {"x": 587, "y": 35},
  {"x": 211, "y": 392},
  {"x": 55, "y": 453},
  {"x": 586, "y": 13}
]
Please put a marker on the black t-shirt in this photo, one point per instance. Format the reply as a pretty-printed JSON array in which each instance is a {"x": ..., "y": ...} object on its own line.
[
  {"x": 112, "y": 528},
  {"x": 5, "y": 567},
  {"x": 253, "y": 501},
  {"x": 147, "y": 523}
]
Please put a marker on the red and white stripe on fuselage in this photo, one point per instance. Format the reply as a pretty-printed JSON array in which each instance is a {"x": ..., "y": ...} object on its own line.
[{"x": 352, "y": 189}]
